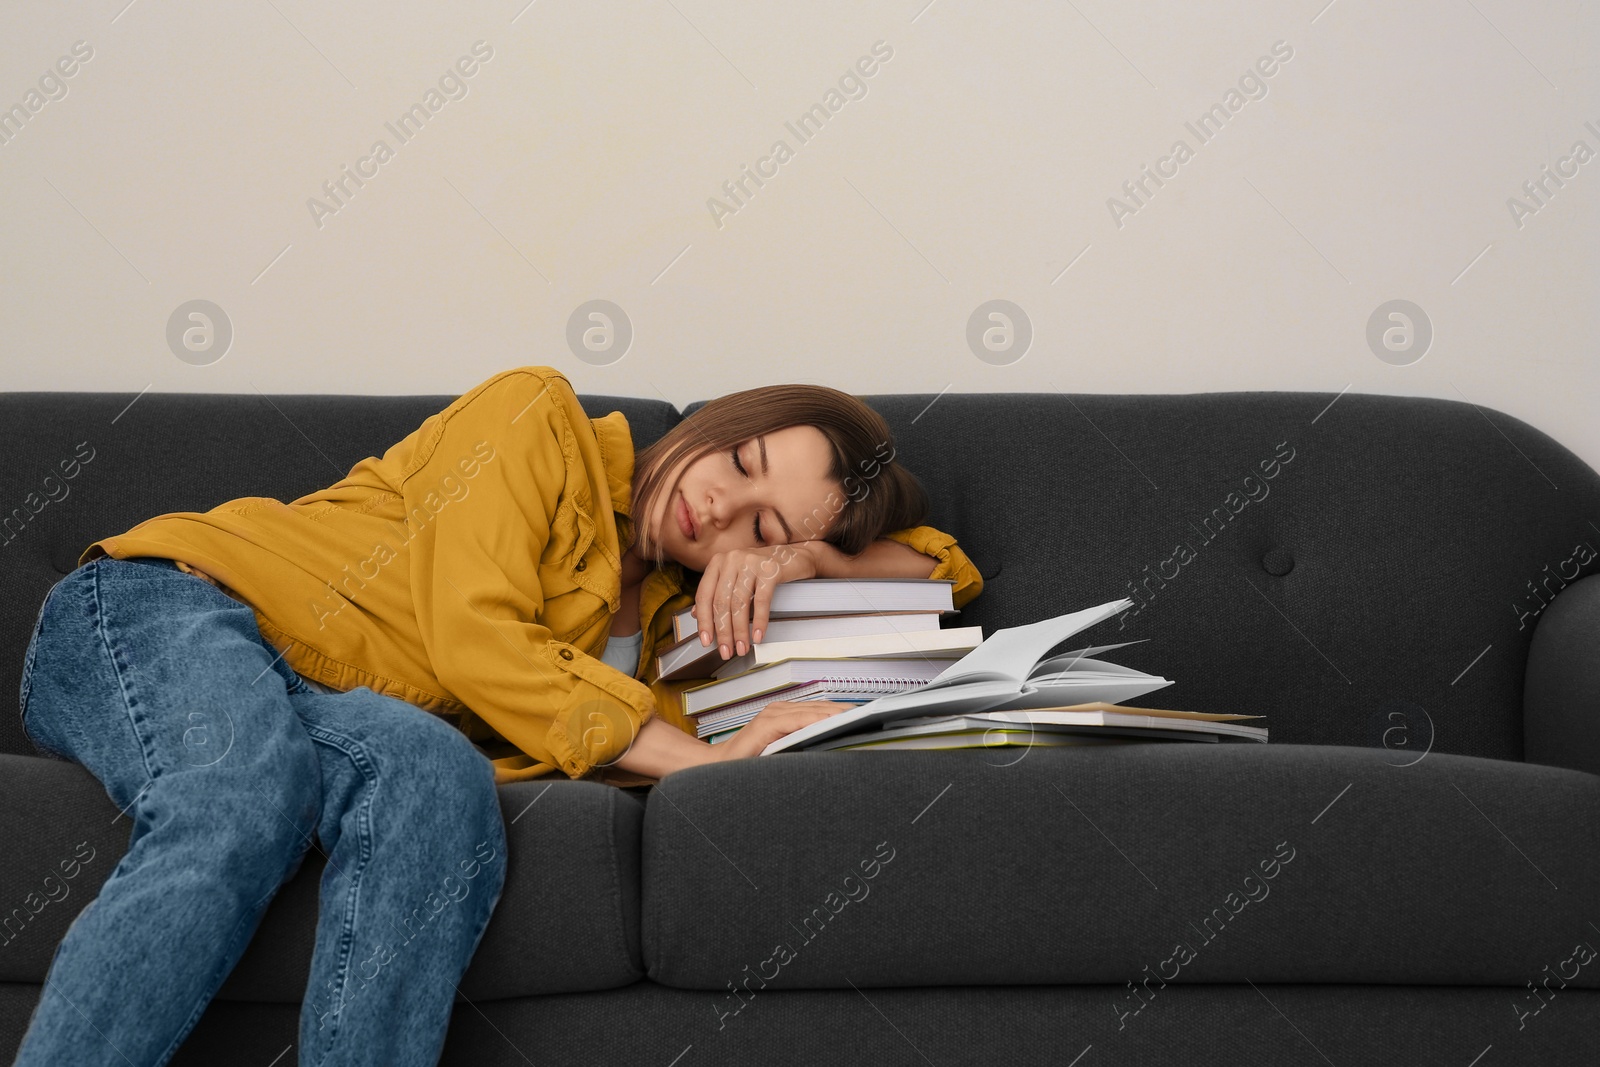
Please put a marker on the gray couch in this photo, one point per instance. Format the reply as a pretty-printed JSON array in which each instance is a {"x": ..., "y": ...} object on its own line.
[{"x": 1407, "y": 874}]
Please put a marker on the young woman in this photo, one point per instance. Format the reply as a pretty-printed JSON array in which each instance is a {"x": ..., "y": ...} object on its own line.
[{"x": 356, "y": 670}]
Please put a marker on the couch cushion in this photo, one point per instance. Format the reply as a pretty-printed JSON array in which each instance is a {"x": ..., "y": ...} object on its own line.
[
  {"x": 62, "y": 836},
  {"x": 1270, "y": 863},
  {"x": 567, "y": 921}
]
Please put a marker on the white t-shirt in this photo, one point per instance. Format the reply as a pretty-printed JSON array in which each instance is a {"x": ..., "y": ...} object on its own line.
[{"x": 623, "y": 652}]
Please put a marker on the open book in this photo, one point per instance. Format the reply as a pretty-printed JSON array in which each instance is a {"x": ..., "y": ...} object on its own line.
[{"x": 1006, "y": 672}]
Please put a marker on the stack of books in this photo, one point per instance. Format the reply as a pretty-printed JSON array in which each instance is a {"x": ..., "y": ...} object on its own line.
[
  {"x": 876, "y": 644},
  {"x": 849, "y": 640}
]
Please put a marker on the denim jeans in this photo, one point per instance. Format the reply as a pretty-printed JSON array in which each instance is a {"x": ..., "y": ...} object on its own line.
[{"x": 228, "y": 764}]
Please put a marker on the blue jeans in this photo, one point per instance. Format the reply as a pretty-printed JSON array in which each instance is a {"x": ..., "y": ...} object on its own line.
[{"x": 228, "y": 764}]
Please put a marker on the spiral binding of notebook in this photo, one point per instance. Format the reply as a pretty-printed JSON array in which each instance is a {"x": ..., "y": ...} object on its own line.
[{"x": 841, "y": 689}]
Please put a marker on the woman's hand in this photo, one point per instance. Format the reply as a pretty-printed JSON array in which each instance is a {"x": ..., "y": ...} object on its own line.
[
  {"x": 735, "y": 591},
  {"x": 778, "y": 719}
]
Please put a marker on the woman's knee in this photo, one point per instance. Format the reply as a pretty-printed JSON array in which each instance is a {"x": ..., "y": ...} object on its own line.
[
  {"x": 241, "y": 832},
  {"x": 462, "y": 780},
  {"x": 448, "y": 789},
  {"x": 465, "y": 814}
]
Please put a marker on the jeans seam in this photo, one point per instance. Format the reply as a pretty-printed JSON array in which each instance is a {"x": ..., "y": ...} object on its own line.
[
  {"x": 123, "y": 688},
  {"x": 364, "y": 836}
]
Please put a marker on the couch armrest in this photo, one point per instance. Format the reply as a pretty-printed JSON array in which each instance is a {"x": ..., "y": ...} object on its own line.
[{"x": 1561, "y": 689}]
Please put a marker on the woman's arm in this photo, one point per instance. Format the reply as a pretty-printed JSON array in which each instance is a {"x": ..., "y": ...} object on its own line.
[
  {"x": 881, "y": 559},
  {"x": 662, "y": 748}
]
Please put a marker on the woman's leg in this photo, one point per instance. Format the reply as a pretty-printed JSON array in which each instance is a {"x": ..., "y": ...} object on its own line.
[
  {"x": 162, "y": 687},
  {"x": 415, "y": 842}
]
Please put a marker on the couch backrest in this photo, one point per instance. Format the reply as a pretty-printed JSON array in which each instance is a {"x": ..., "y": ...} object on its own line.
[
  {"x": 1364, "y": 573},
  {"x": 177, "y": 452}
]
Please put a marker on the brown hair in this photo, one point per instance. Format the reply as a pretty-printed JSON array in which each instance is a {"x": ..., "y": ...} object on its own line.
[{"x": 880, "y": 495}]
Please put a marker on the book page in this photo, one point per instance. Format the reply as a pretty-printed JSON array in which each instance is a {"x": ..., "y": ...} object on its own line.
[
  {"x": 968, "y": 697},
  {"x": 1012, "y": 654},
  {"x": 1083, "y": 660},
  {"x": 1070, "y": 689},
  {"x": 1069, "y": 661}
]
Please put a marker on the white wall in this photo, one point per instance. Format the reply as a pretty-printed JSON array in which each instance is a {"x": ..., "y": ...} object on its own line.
[{"x": 977, "y": 166}]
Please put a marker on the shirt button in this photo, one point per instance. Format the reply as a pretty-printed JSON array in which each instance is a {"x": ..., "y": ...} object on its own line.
[
  {"x": 566, "y": 653},
  {"x": 582, "y": 563}
]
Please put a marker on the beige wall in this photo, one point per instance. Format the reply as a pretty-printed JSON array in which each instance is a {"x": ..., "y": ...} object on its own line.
[{"x": 976, "y": 163}]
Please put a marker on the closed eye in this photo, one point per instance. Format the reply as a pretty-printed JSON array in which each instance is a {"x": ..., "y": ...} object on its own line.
[{"x": 756, "y": 524}]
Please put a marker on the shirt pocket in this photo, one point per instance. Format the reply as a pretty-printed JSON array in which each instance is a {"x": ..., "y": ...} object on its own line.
[{"x": 572, "y": 531}]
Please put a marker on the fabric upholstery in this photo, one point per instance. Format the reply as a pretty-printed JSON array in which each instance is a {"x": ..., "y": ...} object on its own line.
[
  {"x": 1059, "y": 865},
  {"x": 961, "y": 1026},
  {"x": 568, "y": 917},
  {"x": 1561, "y": 698}
]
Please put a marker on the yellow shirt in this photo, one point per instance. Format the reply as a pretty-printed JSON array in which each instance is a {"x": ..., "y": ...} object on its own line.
[{"x": 473, "y": 570}]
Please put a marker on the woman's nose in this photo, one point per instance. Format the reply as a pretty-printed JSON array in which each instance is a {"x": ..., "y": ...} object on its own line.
[{"x": 723, "y": 509}]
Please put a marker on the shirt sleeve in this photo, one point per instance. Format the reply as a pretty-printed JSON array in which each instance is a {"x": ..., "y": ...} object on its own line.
[
  {"x": 953, "y": 563},
  {"x": 475, "y": 565}
]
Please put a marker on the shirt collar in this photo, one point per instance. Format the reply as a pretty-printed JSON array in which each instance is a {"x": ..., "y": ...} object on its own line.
[{"x": 616, "y": 451}]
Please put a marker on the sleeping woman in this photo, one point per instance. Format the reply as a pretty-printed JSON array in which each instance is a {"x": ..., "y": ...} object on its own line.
[{"x": 356, "y": 670}]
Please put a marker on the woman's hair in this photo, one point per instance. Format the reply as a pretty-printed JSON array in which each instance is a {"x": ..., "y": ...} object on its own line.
[{"x": 879, "y": 494}]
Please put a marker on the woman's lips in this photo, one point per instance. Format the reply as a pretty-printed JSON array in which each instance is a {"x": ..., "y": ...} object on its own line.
[{"x": 685, "y": 521}]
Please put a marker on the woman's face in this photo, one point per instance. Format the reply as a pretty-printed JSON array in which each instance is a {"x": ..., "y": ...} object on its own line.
[{"x": 783, "y": 480}]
